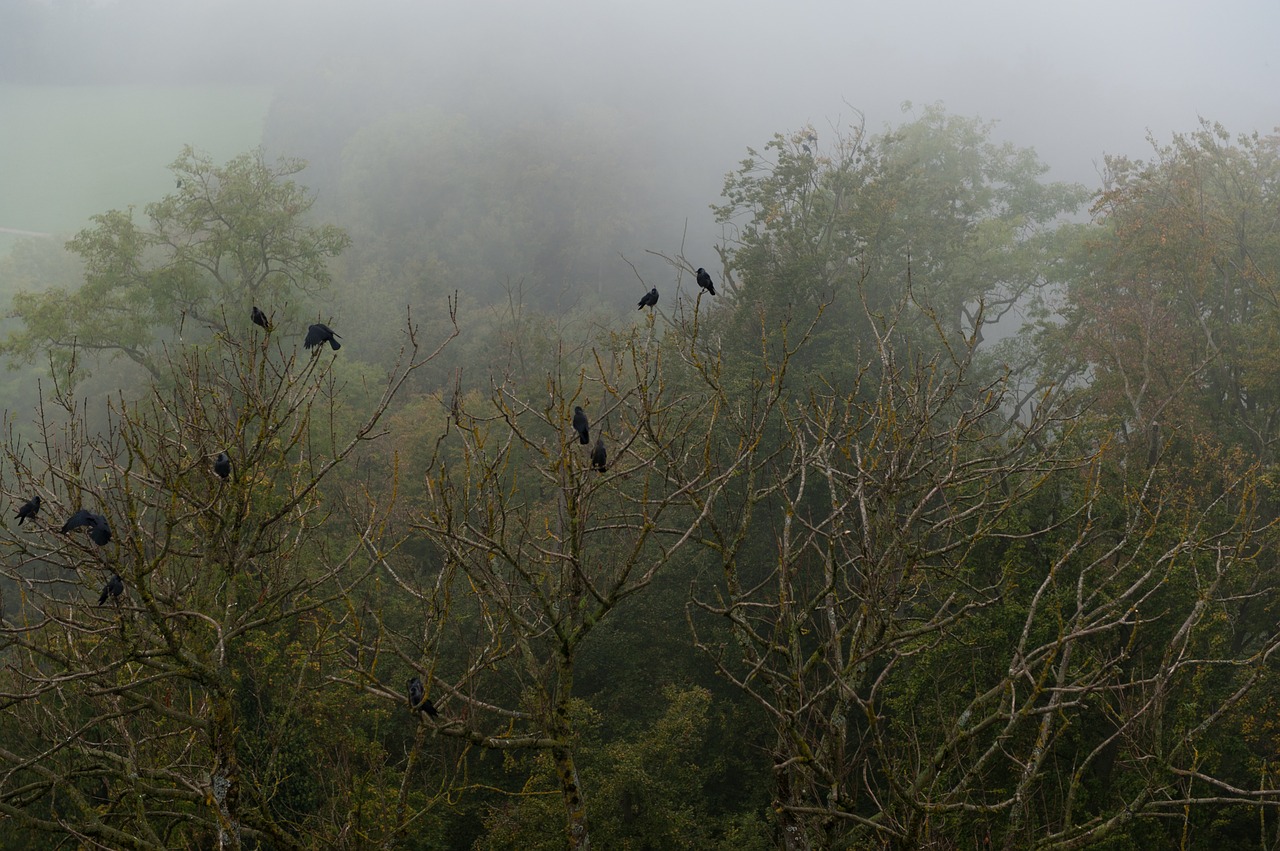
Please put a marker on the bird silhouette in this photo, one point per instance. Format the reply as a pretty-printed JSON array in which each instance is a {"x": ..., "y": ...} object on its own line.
[
  {"x": 222, "y": 465},
  {"x": 113, "y": 588},
  {"x": 418, "y": 701},
  {"x": 99, "y": 531},
  {"x": 260, "y": 319},
  {"x": 704, "y": 281},
  {"x": 599, "y": 456},
  {"x": 319, "y": 334},
  {"x": 581, "y": 426},
  {"x": 29, "y": 510},
  {"x": 649, "y": 299}
]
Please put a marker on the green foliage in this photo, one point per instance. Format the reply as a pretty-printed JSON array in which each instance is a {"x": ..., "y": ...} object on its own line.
[
  {"x": 844, "y": 232},
  {"x": 649, "y": 785},
  {"x": 1172, "y": 308},
  {"x": 231, "y": 236}
]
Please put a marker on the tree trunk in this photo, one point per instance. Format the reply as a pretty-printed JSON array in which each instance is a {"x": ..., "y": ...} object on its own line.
[
  {"x": 575, "y": 806},
  {"x": 224, "y": 778}
]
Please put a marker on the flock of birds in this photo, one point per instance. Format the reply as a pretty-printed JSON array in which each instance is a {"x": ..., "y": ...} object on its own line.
[
  {"x": 100, "y": 530},
  {"x": 418, "y": 700},
  {"x": 317, "y": 335},
  {"x": 650, "y": 298},
  {"x": 99, "y": 533}
]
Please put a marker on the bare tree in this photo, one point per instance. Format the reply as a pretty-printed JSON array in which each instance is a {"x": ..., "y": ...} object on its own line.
[
  {"x": 964, "y": 632},
  {"x": 166, "y": 715},
  {"x": 534, "y": 547}
]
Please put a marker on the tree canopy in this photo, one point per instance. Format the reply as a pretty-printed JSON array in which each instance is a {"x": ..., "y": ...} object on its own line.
[{"x": 853, "y": 575}]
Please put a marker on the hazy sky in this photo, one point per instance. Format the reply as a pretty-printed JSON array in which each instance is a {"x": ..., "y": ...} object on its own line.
[{"x": 1073, "y": 78}]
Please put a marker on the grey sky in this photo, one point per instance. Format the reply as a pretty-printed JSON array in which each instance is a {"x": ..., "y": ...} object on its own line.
[{"x": 1072, "y": 79}]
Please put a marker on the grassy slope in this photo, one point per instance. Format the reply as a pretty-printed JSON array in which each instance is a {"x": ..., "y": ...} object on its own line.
[{"x": 67, "y": 152}]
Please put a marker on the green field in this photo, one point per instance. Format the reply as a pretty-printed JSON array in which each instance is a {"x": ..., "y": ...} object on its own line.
[{"x": 67, "y": 152}]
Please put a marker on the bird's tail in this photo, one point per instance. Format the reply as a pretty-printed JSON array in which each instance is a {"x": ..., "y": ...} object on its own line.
[{"x": 336, "y": 345}]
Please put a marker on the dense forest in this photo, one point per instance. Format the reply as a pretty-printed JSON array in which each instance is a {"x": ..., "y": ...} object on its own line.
[{"x": 946, "y": 521}]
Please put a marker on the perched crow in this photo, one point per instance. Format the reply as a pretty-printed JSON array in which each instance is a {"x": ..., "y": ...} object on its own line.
[
  {"x": 99, "y": 531},
  {"x": 222, "y": 465},
  {"x": 113, "y": 588},
  {"x": 599, "y": 456},
  {"x": 260, "y": 319},
  {"x": 319, "y": 334},
  {"x": 29, "y": 509},
  {"x": 418, "y": 701},
  {"x": 806, "y": 149},
  {"x": 580, "y": 426},
  {"x": 704, "y": 281},
  {"x": 649, "y": 299}
]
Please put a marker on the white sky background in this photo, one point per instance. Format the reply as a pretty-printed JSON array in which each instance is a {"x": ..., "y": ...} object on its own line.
[{"x": 1074, "y": 80}]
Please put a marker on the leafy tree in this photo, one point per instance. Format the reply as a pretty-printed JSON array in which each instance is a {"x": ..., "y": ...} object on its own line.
[
  {"x": 934, "y": 206},
  {"x": 1172, "y": 306},
  {"x": 229, "y": 237}
]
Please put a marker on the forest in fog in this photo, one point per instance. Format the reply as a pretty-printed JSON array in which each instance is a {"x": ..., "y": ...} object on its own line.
[{"x": 450, "y": 467}]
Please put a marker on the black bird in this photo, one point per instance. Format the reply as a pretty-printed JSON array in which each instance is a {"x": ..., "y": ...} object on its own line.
[
  {"x": 704, "y": 281},
  {"x": 649, "y": 299},
  {"x": 113, "y": 588},
  {"x": 222, "y": 465},
  {"x": 29, "y": 509},
  {"x": 319, "y": 334},
  {"x": 260, "y": 319},
  {"x": 581, "y": 426},
  {"x": 599, "y": 456},
  {"x": 418, "y": 701},
  {"x": 99, "y": 531},
  {"x": 806, "y": 149}
]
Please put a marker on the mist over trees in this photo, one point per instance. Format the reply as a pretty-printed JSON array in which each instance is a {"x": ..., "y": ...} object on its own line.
[{"x": 948, "y": 521}]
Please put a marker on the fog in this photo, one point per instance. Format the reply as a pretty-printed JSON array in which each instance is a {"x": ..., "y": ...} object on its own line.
[
  {"x": 692, "y": 85},
  {"x": 1073, "y": 80}
]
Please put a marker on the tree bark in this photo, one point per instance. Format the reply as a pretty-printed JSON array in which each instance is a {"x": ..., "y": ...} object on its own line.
[{"x": 575, "y": 806}]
